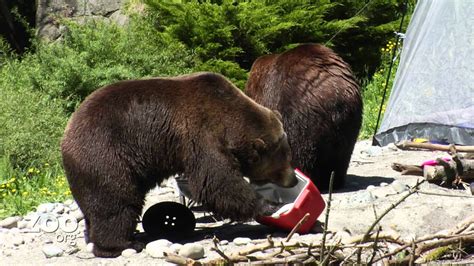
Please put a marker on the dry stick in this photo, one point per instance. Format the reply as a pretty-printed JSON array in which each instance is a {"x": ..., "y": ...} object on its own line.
[
  {"x": 328, "y": 256},
  {"x": 297, "y": 227},
  {"x": 412, "y": 258},
  {"x": 176, "y": 259},
  {"x": 420, "y": 240},
  {"x": 391, "y": 237},
  {"x": 464, "y": 224},
  {"x": 367, "y": 234},
  {"x": 445, "y": 195},
  {"x": 374, "y": 251},
  {"x": 219, "y": 251},
  {"x": 256, "y": 248},
  {"x": 326, "y": 219},
  {"x": 408, "y": 144},
  {"x": 436, "y": 244}
]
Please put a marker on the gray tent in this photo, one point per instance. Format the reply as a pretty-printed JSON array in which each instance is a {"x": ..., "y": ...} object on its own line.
[{"x": 433, "y": 93}]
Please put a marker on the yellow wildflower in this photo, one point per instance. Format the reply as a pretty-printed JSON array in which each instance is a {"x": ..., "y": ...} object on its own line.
[
  {"x": 13, "y": 190},
  {"x": 25, "y": 193},
  {"x": 31, "y": 170}
]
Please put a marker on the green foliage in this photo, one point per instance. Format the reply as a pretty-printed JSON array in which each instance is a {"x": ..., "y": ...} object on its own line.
[
  {"x": 240, "y": 31},
  {"x": 99, "y": 53},
  {"x": 32, "y": 123},
  {"x": 360, "y": 46},
  {"x": 22, "y": 191},
  {"x": 41, "y": 89},
  {"x": 372, "y": 93}
]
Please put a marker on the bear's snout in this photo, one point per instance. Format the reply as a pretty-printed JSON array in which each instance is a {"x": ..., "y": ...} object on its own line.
[{"x": 288, "y": 180}]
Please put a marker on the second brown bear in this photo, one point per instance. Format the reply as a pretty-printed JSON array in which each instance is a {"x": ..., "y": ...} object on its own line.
[{"x": 321, "y": 105}]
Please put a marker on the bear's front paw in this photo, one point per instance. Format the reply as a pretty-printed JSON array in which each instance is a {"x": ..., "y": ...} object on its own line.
[{"x": 137, "y": 245}]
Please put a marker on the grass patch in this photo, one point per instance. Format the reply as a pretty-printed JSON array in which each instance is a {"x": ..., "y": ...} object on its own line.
[{"x": 22, "y": 190}]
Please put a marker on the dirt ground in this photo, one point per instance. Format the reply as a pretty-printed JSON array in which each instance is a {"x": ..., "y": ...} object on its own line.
[{"x": 372, "y": 188}]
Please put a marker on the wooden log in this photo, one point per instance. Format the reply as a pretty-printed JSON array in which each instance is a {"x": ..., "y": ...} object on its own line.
[
  {"x": 404, "y": 145},
  {"x": 439, "y": 173}
]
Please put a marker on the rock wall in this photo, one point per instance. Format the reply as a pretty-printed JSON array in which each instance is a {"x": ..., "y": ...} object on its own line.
[{"x": 49, "y": 11}]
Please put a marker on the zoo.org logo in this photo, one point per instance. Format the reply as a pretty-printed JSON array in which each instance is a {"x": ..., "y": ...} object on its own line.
[{"x": 65, "y": 226}]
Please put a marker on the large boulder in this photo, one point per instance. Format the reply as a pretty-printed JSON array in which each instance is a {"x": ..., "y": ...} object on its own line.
[{"x": 49, "y": 12}]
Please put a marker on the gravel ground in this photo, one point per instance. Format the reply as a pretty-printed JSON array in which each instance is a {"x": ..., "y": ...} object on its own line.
[{"x": 372, "y": 187}]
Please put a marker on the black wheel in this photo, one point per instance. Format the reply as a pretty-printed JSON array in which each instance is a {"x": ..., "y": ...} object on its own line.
[{"x": 169, "y": 220}]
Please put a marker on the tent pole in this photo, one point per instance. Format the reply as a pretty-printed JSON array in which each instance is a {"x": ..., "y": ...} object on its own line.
[{"x": 394, "y": 52}]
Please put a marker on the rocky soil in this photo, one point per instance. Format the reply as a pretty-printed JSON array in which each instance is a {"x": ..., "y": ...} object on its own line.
[{"x": 372, "y": 187}]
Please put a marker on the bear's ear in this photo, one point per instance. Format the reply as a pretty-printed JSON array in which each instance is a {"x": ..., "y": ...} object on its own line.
[
  {"x": 259, "y": 145},
  {"x": 278, "y": 115}
]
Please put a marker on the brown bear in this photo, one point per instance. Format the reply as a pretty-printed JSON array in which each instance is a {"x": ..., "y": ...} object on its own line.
[
  {"x": 321, "y": 105},
  {"x": 127, "y": 137}
]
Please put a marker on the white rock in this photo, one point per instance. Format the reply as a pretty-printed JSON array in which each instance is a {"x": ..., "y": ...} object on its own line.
[
  {"x": 68, "y": 202},
  {"x": 160, "y": 243},
  {"x": 45, "y": 207},
  {"x": 399, "y": 186},
  {"x": 362, "y": 197},
  {"x": 127, "y": 253},
  {"x": 78, "y": 215},
  {"x": 370, "y": 187},
  {"x": 240, "y": 241},
  {"x": 175, "y": 248},
  {"x": 192, "y": 250},
  {"x": 10, "y": 222},
  {"x": 223, "y": 242},
  {"x": 52, "y": 251},
  {"x": 73, "y": 206},
  {"x": 156, "y": 248},
  {"x": 59, "y": 209},
  {"x": 90, "y": 247},
  {"x": 22, "y": 224},
  {"x": 392, "y": 147},
  {"x": 18, "y": 240},
  {"x": 158, "y": 251},
  {"x": 383, "y": 184},
  {"x": 374, "y": 151}
]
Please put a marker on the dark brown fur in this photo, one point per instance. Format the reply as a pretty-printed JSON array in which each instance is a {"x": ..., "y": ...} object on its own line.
[
  {"x": 320, "y": 103},
  {"x": 127, "y": 137}
]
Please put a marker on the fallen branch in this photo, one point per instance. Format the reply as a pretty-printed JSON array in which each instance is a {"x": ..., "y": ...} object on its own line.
[
  {"x": 326, "y": 219},
  {"x": 297, "y": 226},
  {"x": 404, "y": 145},
  {"x": 367, "y": 234},
  {"x": 180, "y": 260}
]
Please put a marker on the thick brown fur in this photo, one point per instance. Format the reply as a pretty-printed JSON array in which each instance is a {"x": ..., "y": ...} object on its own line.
[
  {"x": 321, "y": 105},
  {"x": 127, "y": 137}
]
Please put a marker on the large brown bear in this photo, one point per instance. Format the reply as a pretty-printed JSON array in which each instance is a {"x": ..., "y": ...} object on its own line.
[
  {"x": 127, "y": 137},
  {"x": 320, "y": 101}
]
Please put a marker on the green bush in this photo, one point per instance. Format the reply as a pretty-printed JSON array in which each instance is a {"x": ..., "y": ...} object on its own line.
[
  {"x": 227, "y": 36},
  {"x": 372, "y": 93},
  {"x": 240, "y": 31},
  {"x": 42, "y": 88},
  {"x": 100, "y": 53}
]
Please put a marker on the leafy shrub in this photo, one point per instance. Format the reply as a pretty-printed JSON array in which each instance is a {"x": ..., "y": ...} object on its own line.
[
  {"x": 240, "y": 31},
  {"x": 372, "y": 93},
  {"x": 41, "y": 89}
]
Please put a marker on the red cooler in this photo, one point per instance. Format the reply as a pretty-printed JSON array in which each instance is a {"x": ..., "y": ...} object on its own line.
[{"x": 300, "y": 199}]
